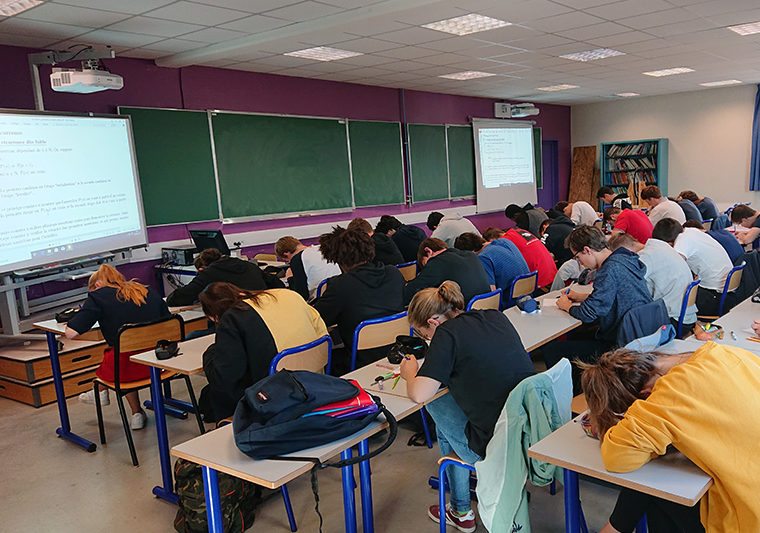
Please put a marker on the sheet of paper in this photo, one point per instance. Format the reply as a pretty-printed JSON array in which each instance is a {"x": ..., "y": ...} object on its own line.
[{"x": 549, "y": 301}]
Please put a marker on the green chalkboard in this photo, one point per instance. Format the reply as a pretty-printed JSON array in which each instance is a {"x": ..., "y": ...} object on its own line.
[
  {"x": 176, "y": 167},
  {"x": 461, "y": 160},
  {"x": 537, "y": 157},
  {"x": 427, "y": 151},
  {"x": 376, "y": 162},
  {"x": 274, "y": 164}
]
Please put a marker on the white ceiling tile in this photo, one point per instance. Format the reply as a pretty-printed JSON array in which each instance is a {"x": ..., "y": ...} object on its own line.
[
  {"x": 374, "y": 26},
  {"x": 303, "y": 11},
  {"x": 594, "y": 31},
  {"x": 369, "y": 45},
  {"x": 583, "y": 4},
  {"x": 368, "y": 60},
  {"x": 493, "y": 50},
  {"x": 285, "y": 61},
  {"x": 143, "y": 53},
  {"x": 220, "y": 63},
  {"x": 453, "y": 44},
  {"x": 418, "y": 16},
  {"x": 442, "y": 59},
  {"x": 670, "y": 16},
  {"x": 522, "y": 11},
  {"x": 121, "y": 6},
  {"x": 213, "y": 35},
  {"x": 669, "y": 30},
  {"x": 707, "y": 9},
  {"x": 327, "y": 37},
  {"x": 196, "y": 13},
  {"x": 176, "y": 45},
  {"x": 35, "y": 28},
  {"x": 629, "y": 8},
  {"x": 255, "y": 24},
  {"x": 634, "y": 48},
  {"x": 365, "y": 72},
  {"x": 153, "y": 26},
  {"x": 610, "y": 41},
  {"x": 567, "y": 21},
  {"x": 413, "y": 36},
  {"x": 118, "y": 38},
  {"x": 408, "y": 52},
  {"x": 77, "y": 16},
  {"x": 506, "y": 34},
  {"x": 350, "y": 4},
  {"x": 31, "y": 41},
  {"x": 734, "y": 18},
  {"x": 541, "y": 41}
]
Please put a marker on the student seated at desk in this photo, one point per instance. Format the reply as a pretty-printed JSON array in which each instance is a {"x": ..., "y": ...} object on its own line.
[
  {"x": 449, "y": 227},
  {"x": 634, "y": 222},
  {"x": 366, "y": 289},
  {"x": 746, "y": 217},
  {"x": 706, "y": 258},
  {"x": 690, "y": 210},
  {"x": 608, "y": 196},
  {"x": 554, "y": 234},
  {"x": 579, "y": 212},
  {"x": 406, "y": 237},
  {"x": 480, "y": 357},
  {"x": 386, "y": 251},
  {"x": 527, "y": 217},
  {"x": 213, "y": 266},
  {"x": 307, "y": 266},
  {"x": 707, "y": 207},
  {"x": 500, "y": 258},
  {"x": 534, "y": 252},
  {"x": 706, "y": 404},
  {"x": 660, "y": 206},
  {"x": 724, "y": 237},
  {"x": 112, "y": 302},
  {"x": 439, "y": 263},
  {"x": 251, "y": 328}
]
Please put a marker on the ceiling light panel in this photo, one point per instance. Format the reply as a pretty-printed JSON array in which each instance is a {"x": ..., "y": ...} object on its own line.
[
  {"x": 467, "y": 24},
  {"x": 14, "y": 7},
  {"x": 720, "y": 83},
  {"x": 467, "y": 75},
  {"x": 626, "y": 95},
  {"x": 593, "y": 55},
  {"x": 552, "y": 88},
  {"x": 746, "y": 29},
  {"x": 668, "y": 71},
  {"x": 323, "y": 53}
]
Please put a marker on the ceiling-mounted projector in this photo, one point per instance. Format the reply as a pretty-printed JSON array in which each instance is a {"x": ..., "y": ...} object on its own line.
[
  {"x": 84, "y": 80},
  {"x": 504, "y": 110}
]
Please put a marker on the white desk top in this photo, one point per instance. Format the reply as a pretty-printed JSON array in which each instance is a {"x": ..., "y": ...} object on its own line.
[
  {"x": 60, "y": 327},
  {"x": 366, "y": 375},
  {"x": 739, "y": 320},
  {"x": 536, "y": 329},
  {"x": 189, "y": 361},
  {"x": 671, "y": 477}
]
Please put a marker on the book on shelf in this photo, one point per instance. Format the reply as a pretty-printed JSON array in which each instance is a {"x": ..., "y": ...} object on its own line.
[{"x": 623, "y": 150}]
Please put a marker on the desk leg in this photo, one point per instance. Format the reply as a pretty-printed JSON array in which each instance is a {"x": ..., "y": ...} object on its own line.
[
  {"x": 349, "y": 502},
  {"x": 213, "y": 503},
  {"x": 365, "y": 481},
  {"x": 65, "y": 430},
  {"x": 166, "y": 491},
  {"x": 572, "y": 502}
]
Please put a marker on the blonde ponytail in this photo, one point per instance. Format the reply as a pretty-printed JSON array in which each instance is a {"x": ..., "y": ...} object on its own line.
[{"x": 444, "y": 300}]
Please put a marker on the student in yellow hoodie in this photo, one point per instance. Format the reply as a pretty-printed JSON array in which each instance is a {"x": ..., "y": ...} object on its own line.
[{"x": 707, "y": 405}]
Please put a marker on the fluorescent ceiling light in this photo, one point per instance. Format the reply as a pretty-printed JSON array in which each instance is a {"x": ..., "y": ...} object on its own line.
[
  {"x": 668, "y": 71},
  {"x": 13, "y": 7},
  {"x": 323, "y": 53},
  {"x": 562, "y": 87},
  {"x": 466, "y": 24},
  {"x": 467, "y": 75},
  {"x": 627, "y": 95},
  {"x": 746, "y": 29},
  {"x": 592, "y": 55},
  {"x": 719, "y": 83}
]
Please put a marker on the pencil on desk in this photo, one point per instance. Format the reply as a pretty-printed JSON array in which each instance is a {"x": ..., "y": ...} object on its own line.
[{"x": 753, "y": 339}]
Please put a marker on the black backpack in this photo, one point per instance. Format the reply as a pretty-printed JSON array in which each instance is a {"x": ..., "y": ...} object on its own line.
[{"x": 268, "y": 421}]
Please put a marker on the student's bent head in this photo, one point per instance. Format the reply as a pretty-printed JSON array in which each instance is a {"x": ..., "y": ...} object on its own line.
[
  {"x": 207, "y": 257},
  {"x": 491, "y": 234},
  {"x": 667, "y": 229},
  {"x": 126, "y": 291},
  {"x": 347, "y": 248},
  {"x": 388, "y": 225},
  {"x": 433, "y": 220},
  {"x": 689, "y": 195},
  {"x": 741, "y": 212},
  {"x": 605, "y": 193},
  {"x": 469, "y": 242},
  {"x": 651, "y": 192},
  {"x": 561, "y": 207},
  {"x": 285, "y": 247},
  {"x": 611, "y": 214},
  {"x": 512, "y": 211},
  {"x": 693, "y": 224},
  {"x": 360, "y": 224},
  {"x": 586, "y": 237},
  {"x": 432, "y": 306},
  {"x": 613, "y": 383},
  {"x": 217, "y": 298},
  {"x": 428, "y": 248}
]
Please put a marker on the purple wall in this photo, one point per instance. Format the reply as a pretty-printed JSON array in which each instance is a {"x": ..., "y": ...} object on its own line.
[{"x": 148, "y": 85}]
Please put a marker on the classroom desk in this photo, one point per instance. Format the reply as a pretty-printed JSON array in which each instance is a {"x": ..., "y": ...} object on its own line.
[
  {"x": 189, "y": 362},
  {"x": 51, "y": 329},
  {"x": 672, "y": 477},
  {"x": 536, "y": 329},
  {"x": 739, "y": 320}
]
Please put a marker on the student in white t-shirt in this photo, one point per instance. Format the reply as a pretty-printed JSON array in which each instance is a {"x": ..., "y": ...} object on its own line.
[
  {"x": 706, "y": 258},
  {"x": 307, "y": 266},
  {"x": 579, "y": 212},
  {"x": 660, "y": 207}
]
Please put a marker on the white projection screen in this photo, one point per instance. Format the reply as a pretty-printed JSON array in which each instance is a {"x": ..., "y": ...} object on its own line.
[
  {"x": 68, "y": 188},
  {"x": 504, "y": 164}
]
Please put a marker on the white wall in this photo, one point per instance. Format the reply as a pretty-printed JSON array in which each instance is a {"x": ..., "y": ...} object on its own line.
[{"x": 709, "y": 134}]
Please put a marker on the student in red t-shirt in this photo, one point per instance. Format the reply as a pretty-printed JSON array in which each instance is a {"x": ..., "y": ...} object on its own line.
[
  {"x": 535, "y": 254},
  {"x": 634, "y": 222}
]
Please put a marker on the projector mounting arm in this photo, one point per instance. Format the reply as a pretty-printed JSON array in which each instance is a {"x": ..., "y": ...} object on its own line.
[{"x": 54, "y": 57}]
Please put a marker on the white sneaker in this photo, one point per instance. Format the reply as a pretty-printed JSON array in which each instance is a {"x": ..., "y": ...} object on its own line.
[
  {"x": 89, "y": 397},
  {"x": 138, "y": 420}
]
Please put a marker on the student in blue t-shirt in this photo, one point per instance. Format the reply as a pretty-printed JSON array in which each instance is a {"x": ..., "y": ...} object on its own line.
[
  {"x": 501, "y": 259},
  {"x": 707, "y": 207}
]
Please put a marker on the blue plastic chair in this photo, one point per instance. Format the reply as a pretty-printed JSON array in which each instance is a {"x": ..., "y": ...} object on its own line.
[
  {"x": 488, "y": 300},
  {"x": 707, "y": 223},
  {"x": 314, "y": 356},
  {"x": 522, "y": 285},
  {"x": 733, "y": 280},
  {"x": 689, "y": 297},
  {"x": 321, "y": 287},
  {"x": 408, "y": 270}
]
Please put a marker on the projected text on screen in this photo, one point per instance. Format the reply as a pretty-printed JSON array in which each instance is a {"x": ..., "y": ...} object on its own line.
[
  {"x": 505, "y": 156},
  {"x": 67, "y": 189}
]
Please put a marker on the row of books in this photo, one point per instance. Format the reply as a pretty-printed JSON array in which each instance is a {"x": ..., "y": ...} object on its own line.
[
  {"x": 621, "y": 150},
  {"x": 631, "y": 164},
  {"x": 634, "y": 176}
]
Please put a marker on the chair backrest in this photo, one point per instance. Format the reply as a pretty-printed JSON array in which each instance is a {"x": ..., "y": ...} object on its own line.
[
  {"x": 314, "y": 356},
  {"x": 720, "y": 222},
  {"x": 707, "y": 224},
  {"x": 265, "y": 257},
  {"x": 598, "y": 223},
  {"x": 489, "y": 300},
  {"x": 322, "y": 287},
  {"x": 733, "y": 279},
  {"x": 143, "y": 336},
  {"x": 642, "y": 321},
  {"x": 689, "y": 299},
  {"x": 522, "y": 285},
  {"x": 408, "y": 270},
  {"x": 377, "y": 332}
]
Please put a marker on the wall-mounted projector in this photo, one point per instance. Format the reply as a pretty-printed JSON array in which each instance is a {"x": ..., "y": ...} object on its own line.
[
  {"x": 504, "y": 110},
  {"x": 83, "y": 81}
]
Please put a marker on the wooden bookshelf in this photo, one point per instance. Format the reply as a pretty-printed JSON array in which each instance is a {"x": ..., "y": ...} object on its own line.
[{"x": 632, "y": 165}]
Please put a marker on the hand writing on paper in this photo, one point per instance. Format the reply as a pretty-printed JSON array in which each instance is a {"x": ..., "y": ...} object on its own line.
[
  {"x": 563, "y": 302},
  {"x": 409, "y": 367},
  {"x": 576, "y": 296},
  {"x": 756, "y": 327}
]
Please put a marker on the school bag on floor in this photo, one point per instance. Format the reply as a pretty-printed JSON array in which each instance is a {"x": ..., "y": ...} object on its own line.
[{"x": 239, "y": 500}]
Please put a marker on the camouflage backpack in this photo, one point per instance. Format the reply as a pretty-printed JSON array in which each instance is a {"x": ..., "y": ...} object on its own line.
[{"x": 239, "y": 500}]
